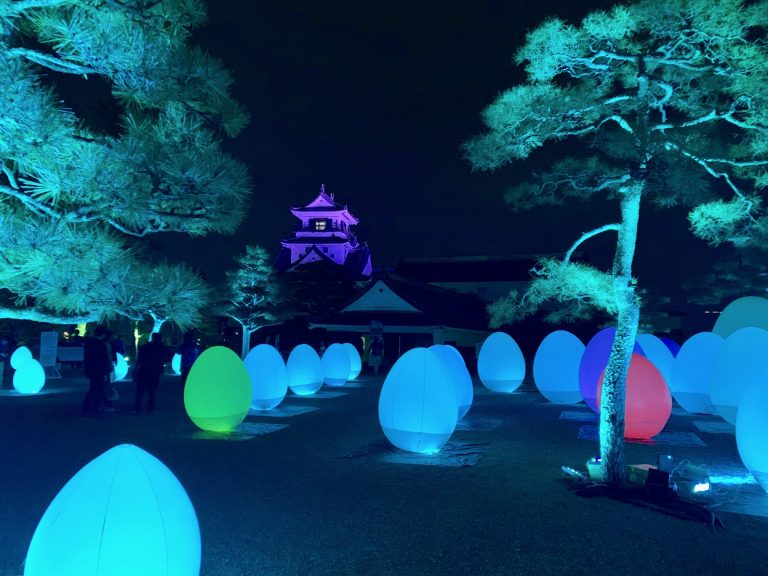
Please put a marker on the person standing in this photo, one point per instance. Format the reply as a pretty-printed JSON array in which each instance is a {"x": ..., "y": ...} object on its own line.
[
  {"x": 189, "y": 350},
  {"x": 97, "y": 362},
  {"x": 146, "y": 374}
]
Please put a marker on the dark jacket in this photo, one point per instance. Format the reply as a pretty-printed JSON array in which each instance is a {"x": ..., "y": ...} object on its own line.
[
  {"x": 151, "y": 361},
  {"x": 97, "y": 359}
]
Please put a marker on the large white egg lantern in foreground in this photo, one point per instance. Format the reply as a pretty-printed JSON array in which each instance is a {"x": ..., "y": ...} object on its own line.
[
  {"x": 29, "y": 378},
  {"x": 122, "y": 514},
  {"x": 460, "y": 378},
  {"x": 269, "y": 377},
  {"x": 355, "y": 363},
  {"x": 500, "y": 364},
  {"x": 749, "y": 311},
  {"x": 692, "y": 371},
  {"x": 741, "y": 363},
  {"x": 305, "y": 371},
  {"x": 417, "y": 405},
  {"x": 556, "y": 367},
  {"x": 336, "y": 365},
  {"x": 752, "y": 430},
  {"x": 20, "y": 356}
]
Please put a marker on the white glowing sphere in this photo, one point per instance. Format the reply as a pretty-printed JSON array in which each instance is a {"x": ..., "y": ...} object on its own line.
[
  {"x": 659, "y": 354},
  {"x": 305, "y": 370},
  {"x": 336, "y": 365},
  {"x": 556, "y": 367},
  {"x": 121, "y": 369},
  {"x": 176, "y": 364},
  {"x": 20, "y": 356},
  {"x": 355, "y": 363},
  {"x": 269, "y": 377},
  {"x": 460, "y": 378},
  {"x": 122, "y": 514},
  {"x": 500, "y": 364},
  {"x": 741, "y": 363},
  {"x": 29, "y": 378},
  {"x": 750, "y": 311},
  {"x": 752, "y": 430},
  {"x": 417, "y": 405},
  {"x": 692, "y": 371}
]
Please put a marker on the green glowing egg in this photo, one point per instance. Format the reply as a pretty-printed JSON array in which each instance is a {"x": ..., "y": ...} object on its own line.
[{"x": 217, "y": 395}]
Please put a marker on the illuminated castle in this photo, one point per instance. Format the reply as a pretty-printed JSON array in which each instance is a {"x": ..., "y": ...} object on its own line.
[{"x": 325, "y": 234}]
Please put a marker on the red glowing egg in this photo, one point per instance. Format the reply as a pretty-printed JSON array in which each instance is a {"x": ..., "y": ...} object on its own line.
[{"x": 648, "y": 404}]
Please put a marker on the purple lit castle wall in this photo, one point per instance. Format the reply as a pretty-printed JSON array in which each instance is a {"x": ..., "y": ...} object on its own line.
[{"x": 325, "y": 234}]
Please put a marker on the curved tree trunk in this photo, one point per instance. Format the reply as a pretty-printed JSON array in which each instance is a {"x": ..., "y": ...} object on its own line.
[{"x": 613, "y": 396}]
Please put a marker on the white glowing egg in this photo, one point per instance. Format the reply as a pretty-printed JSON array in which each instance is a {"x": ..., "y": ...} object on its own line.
[
  {"x": 460, "y": 378},
  {"x": 750, "y": 311},
  {"x": 269, "y": 377},
  {"x": 176, "y": 364},
  {"x": 29, "y": 378},
  {"x": 500, "y": 364},
  {"x": 659, "y": 354},
  {"x": 305, "y": 370},
  {"x": 752, "y": 430},
  {"x": 741, "y": 363},
  {"x": 122, "y": 514},
  {"x": 417, "y": 405},
  {"x": 556, "y": 367},
  {"x": 692, "y": 371},
  {"x": 355, "y": 363},
  {"x": 20, "y": 356},
  {"x": 336, "y": 365}
]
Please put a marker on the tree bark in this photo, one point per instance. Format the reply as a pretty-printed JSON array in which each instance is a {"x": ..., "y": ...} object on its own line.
[{"x": 246, "y": 346}]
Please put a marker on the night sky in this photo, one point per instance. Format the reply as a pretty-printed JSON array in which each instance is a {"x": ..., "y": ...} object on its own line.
[{"x": 374, "y": 99}]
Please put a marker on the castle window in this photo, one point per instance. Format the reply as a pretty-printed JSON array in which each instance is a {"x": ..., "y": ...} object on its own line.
[{"x": 319, "y": 225}]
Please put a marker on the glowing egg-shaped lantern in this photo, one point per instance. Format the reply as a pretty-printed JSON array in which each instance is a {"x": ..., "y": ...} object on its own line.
[
  {"x": 750, "y": 311},
  {"x": 417, "y": 405},
  {"x": 593, "y": 362},
  {"x": 176, "y": 364},
  {"x": 355, "y": 363},
  {"x": 692, "y": 371},
  {"x": 121, "y": 368},
  {"x": 218, "y": 391},
  {"x": 500, "y": 364},
  {"x": 460, "y": 378},
  {"x": 29, "y": 378},
  {"x": 741, "y": 362},
  {"x": 752, "y": 430},
  {"x": 336, "y": 365},
  {"x": 305, "y": 370},
  {"x": 20, "y": 356},
  {"x": 658, "y": 353},
  {"x": 648, "y": 402},
  {"x": 673, "y": 346},
  {"x": 123, "y": 513},
  {"x": 556, "y": 367},
  {"x": 269, "y": 377}
]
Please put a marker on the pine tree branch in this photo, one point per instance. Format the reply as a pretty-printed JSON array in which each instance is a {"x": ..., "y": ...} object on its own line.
[
  {"x": 31, "y": 203},
  {"x": 19, "y": 6},
  {"x": 36, "y": 315},
  {"x": 52, "y": 62},
  {"x": 586, "y": 236}
]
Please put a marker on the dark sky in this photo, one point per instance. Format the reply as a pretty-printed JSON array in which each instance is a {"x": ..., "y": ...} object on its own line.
[{"x": 374, "y": 99}]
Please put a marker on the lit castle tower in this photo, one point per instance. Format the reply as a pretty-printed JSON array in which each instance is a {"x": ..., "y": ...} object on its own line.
[{"x": 325, "y": 235}]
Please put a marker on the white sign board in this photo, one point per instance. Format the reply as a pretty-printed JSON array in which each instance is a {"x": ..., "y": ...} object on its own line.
[{"x": 49, "y": 342}]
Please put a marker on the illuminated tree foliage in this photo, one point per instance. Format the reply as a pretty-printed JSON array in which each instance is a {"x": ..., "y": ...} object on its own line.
[
  {"x": 668, "y": 98},
  {"x": 76, "y": 193}
]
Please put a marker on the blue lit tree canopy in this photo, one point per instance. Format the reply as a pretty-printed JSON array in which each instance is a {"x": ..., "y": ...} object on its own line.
[
  {"x": 667, "y": 98},
  {"x": 76, "y": 188}
]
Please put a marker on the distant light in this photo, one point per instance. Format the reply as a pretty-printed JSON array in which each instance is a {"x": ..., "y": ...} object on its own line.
[
  {"x": 733, "y": 480},
  {"x": 701, "y": 487}
]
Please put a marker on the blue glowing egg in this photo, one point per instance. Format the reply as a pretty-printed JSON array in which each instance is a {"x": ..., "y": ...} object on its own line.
[
  {"x": 752, "y": 430},
  {"x": 658, "y": 353},
  {"x": 121, "y": 368},
  {"x": 176, "y": 364},
  {"x": 122, "y": 514},
  {"x": 29, "y": 378},
  {"x": 741, "y": 363},
  {"x": 500, "y": 364},
  {"x": 336, "y": 365},
  {"x": 460, "y": 378},
  {"x": 556, "y": 367},
  {"x": 20, "y": 356},
  {"x": 417, "y": 405},
  {"x": 673, "y": 346},
  {"x": 692, "y": 371},
  {"x": 269, "y": 377},
  {"x": 305, "y": 370},
  {"x": 750, "y": 311},
  {"x": 355, "y": 363}
]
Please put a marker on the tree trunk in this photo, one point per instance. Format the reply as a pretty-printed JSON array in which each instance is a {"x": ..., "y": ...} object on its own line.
[
  {"x": 157, "y": 324},
  {"x": 613, "y": 396},
  {"x": 246, "y": 347}
]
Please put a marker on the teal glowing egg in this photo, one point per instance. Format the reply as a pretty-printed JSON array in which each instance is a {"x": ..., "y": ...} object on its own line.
[
  {"x": 218, "y": 391},
  {"x": 741, "y": 363},
  {"x": 692, "y": 371},
  {"x": 500, "y": 365},
  {"x": 752, "y": 430},
  {"x": 269, "y": 377},
  {"x": 122, "y": 514},
  {"x": 556, "y": 367},
  {"x": 121, "y": 368},
  {"x": 29, "y": 378},
  {"x": 750, "y": 311},
  {"x": 460, "y": 378},
  {"x": 659, "y": 354},
  {"x": 20, "y": 356},
  {"x": 336, "y": 365},
  {"x": 417, "y": 404},
  {"x": 176, "y": 364},
  {"x": 355, "y": 363},
  {"x": 305, "y": 370}
]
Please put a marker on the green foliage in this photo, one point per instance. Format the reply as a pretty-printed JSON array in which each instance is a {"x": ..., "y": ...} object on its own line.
[{"x": 721, "y": 221}]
